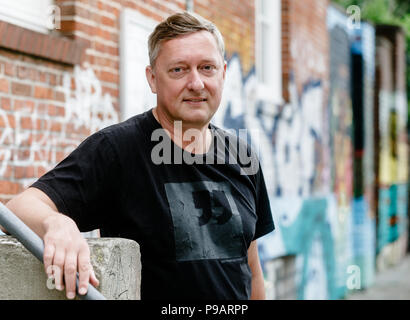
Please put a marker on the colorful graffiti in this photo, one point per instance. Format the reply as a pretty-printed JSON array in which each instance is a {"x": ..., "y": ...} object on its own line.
[
  {"x": 363, "y": 222},
  {"x": 393, "y": 148},
  {"x": 341, "y": 142},
  {"x": 291, "y": 139},
  {"x": 318, "y": 161}
]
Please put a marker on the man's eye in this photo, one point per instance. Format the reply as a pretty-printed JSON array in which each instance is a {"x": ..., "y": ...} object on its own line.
[
  {"x": 176, "y": 70},
  {"x": 208, "y": 67}
]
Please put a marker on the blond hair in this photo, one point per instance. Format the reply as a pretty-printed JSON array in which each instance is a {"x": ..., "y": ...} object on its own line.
[{"x": 181, "y": 24}]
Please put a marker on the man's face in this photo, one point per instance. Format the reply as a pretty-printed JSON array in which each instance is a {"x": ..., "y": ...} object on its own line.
[{"x": 188, "y": 78}]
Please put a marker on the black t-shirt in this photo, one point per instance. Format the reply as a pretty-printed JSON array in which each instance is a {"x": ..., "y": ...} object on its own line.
[{"x": 194, "y": 222}]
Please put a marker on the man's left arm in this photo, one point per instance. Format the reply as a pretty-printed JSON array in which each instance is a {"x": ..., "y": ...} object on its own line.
[{"x": 258, "y": 287}]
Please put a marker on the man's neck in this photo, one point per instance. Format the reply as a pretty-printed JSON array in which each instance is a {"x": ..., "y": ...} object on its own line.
[{"x": 192, "y": 138}]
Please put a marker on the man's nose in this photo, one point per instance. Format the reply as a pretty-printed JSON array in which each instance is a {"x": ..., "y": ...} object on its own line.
[{"x": 195, "y": 82}]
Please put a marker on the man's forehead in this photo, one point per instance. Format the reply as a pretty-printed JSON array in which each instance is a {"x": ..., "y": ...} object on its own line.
[
  {"x": 189, "y": 59},
  {"x": 204, "y": 48}
]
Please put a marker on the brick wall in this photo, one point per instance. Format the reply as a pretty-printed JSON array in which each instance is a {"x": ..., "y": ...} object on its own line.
[
  {"x": 305, "y": 54},
  {"x": 237, "y": 25},
  {"x": 31, "y": 113},
  {"x": 97, "y": 23},
  {"x": 304, "y": 42},
  {"x": 58, "y": 88}
]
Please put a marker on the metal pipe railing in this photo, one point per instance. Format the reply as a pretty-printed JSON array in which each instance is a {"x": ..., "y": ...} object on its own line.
[{"x": 35, "y": 245}]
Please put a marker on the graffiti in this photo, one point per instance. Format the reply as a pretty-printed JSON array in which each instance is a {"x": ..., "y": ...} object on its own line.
[
  {"x": 297, "y": 140},
  {"x": 36, "y": 137},
  {"x": 393, "y": 148},
  {"x": 291, "y": 137}
]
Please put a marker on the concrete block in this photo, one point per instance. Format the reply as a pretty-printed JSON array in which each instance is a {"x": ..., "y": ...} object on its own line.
[{"x": 116, "y": 263}]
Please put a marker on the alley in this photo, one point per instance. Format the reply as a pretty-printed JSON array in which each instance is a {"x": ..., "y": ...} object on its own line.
[{"x": 391, "y": 284}]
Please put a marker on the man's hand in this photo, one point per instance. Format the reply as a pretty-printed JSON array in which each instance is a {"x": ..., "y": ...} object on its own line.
[{"x": 66, "y": 252}]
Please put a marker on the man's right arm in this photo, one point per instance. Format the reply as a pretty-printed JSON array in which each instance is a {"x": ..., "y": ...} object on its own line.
[{"x": 65, "y": 249}]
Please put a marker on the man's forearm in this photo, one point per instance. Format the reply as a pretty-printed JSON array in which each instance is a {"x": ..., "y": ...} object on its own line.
[
  {"x": 258, "y": 285},
  {"x": 258, "y": 288},
  {"x": 33, "y": 207}
]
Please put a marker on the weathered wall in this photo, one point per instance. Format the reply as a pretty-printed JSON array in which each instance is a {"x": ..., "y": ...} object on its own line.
[
  {"x": 364, "y": 195},
  {"x": 49, "y": 102},
  {"x": 116, "y": 264},
  {"x": 392, "y": 171}
]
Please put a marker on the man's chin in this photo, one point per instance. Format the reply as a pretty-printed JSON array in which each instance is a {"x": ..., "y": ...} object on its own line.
[{"x": 196, "y": 117}]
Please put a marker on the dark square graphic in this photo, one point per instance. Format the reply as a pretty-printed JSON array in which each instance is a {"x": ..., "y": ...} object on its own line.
[{"x": 207, "y": 223}]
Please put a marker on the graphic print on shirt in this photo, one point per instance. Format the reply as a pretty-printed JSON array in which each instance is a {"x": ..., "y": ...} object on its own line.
[{"x": 207, "y": 223}]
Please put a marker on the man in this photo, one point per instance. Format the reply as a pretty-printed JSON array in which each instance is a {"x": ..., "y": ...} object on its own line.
[{"x": 197, "y": 223}]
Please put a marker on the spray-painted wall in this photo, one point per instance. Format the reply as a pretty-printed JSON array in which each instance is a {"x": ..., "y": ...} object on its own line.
[
  {"x": 310, "y": 191},
  {"x": 41, "y": 134},
  {"x": 319, "y": 160},
  {"x": 392, "y": 172},
  {"x": 364, "y": 215}
]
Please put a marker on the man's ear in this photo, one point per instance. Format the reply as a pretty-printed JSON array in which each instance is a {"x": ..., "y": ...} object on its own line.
[
  {"x": 151, "y": 78},
  {"x": 225, "y": 66}
]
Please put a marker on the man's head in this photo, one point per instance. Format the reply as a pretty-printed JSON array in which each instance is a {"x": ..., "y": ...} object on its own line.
[
  {"x": 177, "y": 25},
  {"x": 187, "y": 68}
]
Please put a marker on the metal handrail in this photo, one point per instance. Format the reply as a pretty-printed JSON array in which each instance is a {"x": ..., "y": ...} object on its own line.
[{"x": 33, "y": 243}]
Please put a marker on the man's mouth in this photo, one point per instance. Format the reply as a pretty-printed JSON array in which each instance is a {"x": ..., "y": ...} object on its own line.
[{"x": 195, "y": 100}]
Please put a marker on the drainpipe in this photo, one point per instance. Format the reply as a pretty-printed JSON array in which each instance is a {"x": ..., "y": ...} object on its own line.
[{"x": 34, "y": 244}]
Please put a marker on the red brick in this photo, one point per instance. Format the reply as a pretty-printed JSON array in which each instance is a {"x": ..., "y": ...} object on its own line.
[
  {"x": 24, "y": 105},
  {"x": 59, "y": 96},
  {"x": 4, "y": 85},
  {"x": 26, "y": 73},
  {"x": 41, "y": 76},
  {"x": 108, "y": 76},
  {"x": 56, "y": 126},
  {"x": 9, "y": 69},
  {"x": 108, "y": 21},
  {"x": 43, "y": 93},
  {"x": 8, "y": 187},
  {"x": 27, "y": 123},
  {"x": 5, "y": 103},
  {"x": 8, "y": 173},
  {"x": 24, "y": 172},
  {"x": 41, "y": 171},
  {"x": 21, "y": 89}
]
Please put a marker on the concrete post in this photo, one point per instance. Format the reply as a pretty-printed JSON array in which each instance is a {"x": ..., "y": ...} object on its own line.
[{"x": 116, "y": 263}]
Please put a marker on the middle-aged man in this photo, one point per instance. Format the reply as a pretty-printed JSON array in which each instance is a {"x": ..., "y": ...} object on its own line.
[{"x": 196, "y": 223}]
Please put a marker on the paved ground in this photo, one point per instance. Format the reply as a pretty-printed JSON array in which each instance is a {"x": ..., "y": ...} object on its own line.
[{"x": 391, "y": 284}]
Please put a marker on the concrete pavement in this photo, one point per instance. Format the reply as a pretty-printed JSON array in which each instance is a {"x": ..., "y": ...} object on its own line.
[{"x": 390, "y": 284}]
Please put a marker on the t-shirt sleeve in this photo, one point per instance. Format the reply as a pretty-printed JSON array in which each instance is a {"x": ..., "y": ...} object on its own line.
[
  {"x": 265, "y": 223},
  {"x": 82, "y": 186}
]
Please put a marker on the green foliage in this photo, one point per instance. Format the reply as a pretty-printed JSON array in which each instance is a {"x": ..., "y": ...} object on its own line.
[{"x": 396, "y": 12}]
